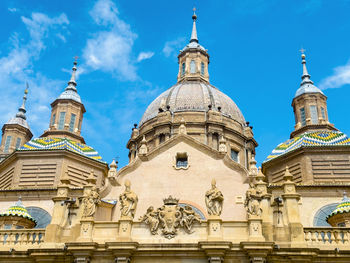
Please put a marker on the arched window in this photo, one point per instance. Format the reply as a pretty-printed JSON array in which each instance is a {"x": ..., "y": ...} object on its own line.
[
  {"x": 183, "y": 69},
  {"x": 202, "y": 69},
  {"x": 193, "y": 67},
  {"x": 322, "y": 213},
  {"x": 41, "y": 216}
]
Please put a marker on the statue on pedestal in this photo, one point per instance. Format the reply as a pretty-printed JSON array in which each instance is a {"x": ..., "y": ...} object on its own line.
[
  {"x": 90, "y": 202},
  {"x": 214, "y": 200},
  {"x": 128, "y": 201},
  {"x": 252, "y": 201}
]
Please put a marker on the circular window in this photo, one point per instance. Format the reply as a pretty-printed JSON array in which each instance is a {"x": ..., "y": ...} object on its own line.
[{"x": 41, "y": 216}]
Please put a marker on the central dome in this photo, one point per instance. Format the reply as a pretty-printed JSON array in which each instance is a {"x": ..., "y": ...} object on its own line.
[{"x": 193, "y": 96}]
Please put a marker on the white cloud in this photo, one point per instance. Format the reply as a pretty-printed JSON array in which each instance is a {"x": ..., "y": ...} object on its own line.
[
  {"x": 110, "y": 50},
  {"x": 16, "y": 68},
  {"x": 144, "y": 55},
  {"x": 173, "y": 47},
  {"x": 340, "y": 77},
  {"x": 12, "y": 9}
]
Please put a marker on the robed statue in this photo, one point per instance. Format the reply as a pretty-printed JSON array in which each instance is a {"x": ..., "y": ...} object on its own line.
[
  {"x": 90, "y": 201},
  {"x": 214, "y": 200},
  {"x": 128, "y": 201},
  {"x": 252, "y": 201}
]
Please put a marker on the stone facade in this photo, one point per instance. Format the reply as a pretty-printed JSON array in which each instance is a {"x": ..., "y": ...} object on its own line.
[{"x": 191, "y": 191}]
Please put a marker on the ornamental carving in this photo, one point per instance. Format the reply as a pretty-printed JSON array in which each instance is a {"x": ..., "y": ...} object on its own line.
[
  {"x": 90, "y": 202},
  {"x": 128, "y": 201},
  {"x": 214, "y": 200},
  {"x": 252, "y": 201},
  {"x": 170, "y": 217}
]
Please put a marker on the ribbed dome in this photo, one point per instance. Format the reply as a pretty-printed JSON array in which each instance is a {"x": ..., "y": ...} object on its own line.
[{"x": 193, "y": 96}]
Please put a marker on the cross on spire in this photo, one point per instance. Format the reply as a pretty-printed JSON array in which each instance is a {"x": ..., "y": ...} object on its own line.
[
  {"x": 75, "y": 58},
  {"x": 302, "y": 51}
]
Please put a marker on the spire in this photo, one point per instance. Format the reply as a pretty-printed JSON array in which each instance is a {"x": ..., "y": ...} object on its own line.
[
  {"x": 71, "y": 92},
  {"x": 305, "y": 77},
  {"x": 72, "y": 84},
  {"x": 22, "y": 110},
  {"x": 194, "y": 37}
]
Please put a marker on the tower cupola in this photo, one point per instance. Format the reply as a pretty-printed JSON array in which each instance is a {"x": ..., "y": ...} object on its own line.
[
  {"x": 16, "y": 131},
  {"x": 193, "y": 59},
  {"x": 67, "y": 113},
  {"x": 309, "y": 105}
]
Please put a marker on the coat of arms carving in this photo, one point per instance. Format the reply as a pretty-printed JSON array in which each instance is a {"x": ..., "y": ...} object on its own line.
[{"x": 170, "y": 217}]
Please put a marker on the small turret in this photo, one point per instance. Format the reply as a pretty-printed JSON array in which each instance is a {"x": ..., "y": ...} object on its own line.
[
  {"x": 16, "y": 131},
  {"x": 67, "y": 113},
  {"x": 309, "y": 105}
]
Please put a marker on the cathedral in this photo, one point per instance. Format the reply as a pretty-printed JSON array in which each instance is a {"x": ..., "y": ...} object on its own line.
[{"x": 191, "y": 191}]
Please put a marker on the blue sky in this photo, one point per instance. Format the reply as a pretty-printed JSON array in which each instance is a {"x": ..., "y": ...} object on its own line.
[{"x": 128, "y": 52}]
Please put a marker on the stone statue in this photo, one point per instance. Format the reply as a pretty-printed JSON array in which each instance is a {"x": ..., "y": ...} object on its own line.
[
  {"x": 188, "y": 218},
  {"x": 214, "y": 200},
  {"x": 128, "y": 201},
  {"x": 170, "y": 217},
  {"x": 90, "y": 202},
  {"x": 252, "y": 201},
  {"x": 151, "y": 219}
]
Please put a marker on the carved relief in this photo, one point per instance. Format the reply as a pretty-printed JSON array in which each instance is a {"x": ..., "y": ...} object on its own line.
[
  {"x": 170, "y": 217},
  {"x": 90, "y": 201},
  {"x": 252, "y": 201},
  {"x": 214, "y": 200},
  {"x": 128, "y": 201}
]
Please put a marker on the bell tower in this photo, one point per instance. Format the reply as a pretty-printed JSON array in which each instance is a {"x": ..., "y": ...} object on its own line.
[
  {"x": 193, "y": 59},
  {"x": 16, "y": 131},
  {"x": 67, "y": 113},
  {"x": 309, "y": 105}
]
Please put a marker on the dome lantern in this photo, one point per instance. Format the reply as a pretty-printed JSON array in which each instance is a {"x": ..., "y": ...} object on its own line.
[{"x": 193, "y": 59}]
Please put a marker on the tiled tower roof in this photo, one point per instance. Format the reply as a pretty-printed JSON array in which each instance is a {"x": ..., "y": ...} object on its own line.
[
  {"x": 310, "y": 139},
  {"x": 61, "y": 143}
]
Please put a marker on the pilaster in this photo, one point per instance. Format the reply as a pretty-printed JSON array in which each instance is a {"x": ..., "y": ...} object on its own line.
[{"x": 291, "y": 198}]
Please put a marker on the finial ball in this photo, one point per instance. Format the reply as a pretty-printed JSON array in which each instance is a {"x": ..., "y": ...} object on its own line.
[
  {"x": 303, "y": 56},
  {"x": 194, "y": 17}
]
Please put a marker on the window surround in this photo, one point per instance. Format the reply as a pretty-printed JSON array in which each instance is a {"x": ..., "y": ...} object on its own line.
[{"x": 181, "y": 155}]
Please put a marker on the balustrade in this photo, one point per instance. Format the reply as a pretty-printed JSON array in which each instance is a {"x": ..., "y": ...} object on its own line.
[
  {"x": 13, "y": 237},
  {"x": 327, "y": 236}
]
